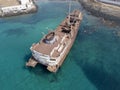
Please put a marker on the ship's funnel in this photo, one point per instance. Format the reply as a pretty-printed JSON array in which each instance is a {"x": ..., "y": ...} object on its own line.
[{"x": 49, "y": 38}]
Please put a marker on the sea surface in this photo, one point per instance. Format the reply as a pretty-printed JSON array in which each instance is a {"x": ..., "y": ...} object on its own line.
[{"x": 92, "y": 64}]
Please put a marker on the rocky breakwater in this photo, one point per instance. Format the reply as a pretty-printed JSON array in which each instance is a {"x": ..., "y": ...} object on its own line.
[
  {"x": 108, "y": 11},
  {"x": 24, "y": 7}
]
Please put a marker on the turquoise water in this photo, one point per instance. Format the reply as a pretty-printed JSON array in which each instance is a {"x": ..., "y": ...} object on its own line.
[{"x": 92, "y": 64}]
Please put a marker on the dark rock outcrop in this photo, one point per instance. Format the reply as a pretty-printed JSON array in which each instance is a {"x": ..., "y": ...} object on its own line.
[{"x": 109, "y": 12}]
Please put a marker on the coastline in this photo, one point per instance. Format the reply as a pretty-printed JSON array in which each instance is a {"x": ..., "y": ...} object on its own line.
[
  {"x": 107, "y": 11},
  {"x": 8, "y": 11}
]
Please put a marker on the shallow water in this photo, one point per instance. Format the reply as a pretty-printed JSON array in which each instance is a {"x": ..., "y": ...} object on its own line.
[{"x": 92, "y": 64}]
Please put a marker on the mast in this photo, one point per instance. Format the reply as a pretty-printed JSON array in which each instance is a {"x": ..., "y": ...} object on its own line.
[{"x": 69, "y": 11}]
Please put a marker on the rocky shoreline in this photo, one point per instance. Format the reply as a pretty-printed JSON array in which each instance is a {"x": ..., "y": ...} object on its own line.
[{"x": 107, "y": 11}]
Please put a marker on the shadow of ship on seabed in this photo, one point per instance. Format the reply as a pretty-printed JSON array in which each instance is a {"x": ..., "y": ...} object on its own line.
[
  {"x": 102, "y": 70},
  {"x": 98, "y": 76}
]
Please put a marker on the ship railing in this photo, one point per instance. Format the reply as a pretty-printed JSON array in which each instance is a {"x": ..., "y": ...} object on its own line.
[
  {"x": 63, "y": 53},
  {"x": 35, "y": 52},
  {"x": 55, "y": 48},
  {"x": 58, "y": 59},
  {"x": 61, "y": 48},
  {"x": 63, "y": 38}
]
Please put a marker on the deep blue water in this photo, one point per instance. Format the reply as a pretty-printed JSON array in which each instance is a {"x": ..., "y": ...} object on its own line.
[{"x": 92, "y": 64}]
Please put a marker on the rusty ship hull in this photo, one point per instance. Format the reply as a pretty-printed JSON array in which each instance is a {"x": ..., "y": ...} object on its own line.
[{"x": 53, "y": 48}]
